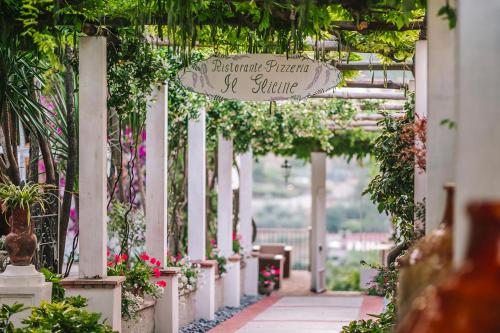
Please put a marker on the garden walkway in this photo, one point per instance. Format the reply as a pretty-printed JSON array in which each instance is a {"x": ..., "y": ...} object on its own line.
[{"x": 296, "y": 310}]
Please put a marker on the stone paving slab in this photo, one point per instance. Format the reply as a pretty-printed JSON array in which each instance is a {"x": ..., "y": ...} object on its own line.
[
  {"x": 292, "y": 327},
  {"x": 326, "y": 301},
  {"x": 309, "y": 314}
]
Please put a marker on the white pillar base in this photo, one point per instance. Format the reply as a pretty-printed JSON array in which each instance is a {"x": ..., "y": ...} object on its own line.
[
  {"x": 167, "y": 306},
  {"x": 25, "y": 285},
  {"x": 205, "y": 293},
  {"x": 232, "y": 282},
  {"x": 252, "y": 276},
  {"x": 104, "y": 296}
]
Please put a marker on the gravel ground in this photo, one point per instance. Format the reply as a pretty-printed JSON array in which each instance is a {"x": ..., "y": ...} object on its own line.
[{"x": 223, "y": 314}]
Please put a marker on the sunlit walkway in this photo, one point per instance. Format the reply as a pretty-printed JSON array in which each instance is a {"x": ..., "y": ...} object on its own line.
[{"x": 296, "y": 310}]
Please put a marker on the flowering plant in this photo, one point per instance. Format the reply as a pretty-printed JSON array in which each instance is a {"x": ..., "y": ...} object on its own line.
[
  {"x": 213, "y": 254},
  {"x": 237, "y": 248},
  {"x": 189, "y": 273},
  {"x": 268, "y": 276},
  {"x": 138, "y": 274}
]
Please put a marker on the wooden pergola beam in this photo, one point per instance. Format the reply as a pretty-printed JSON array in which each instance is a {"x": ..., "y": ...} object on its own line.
[
  {"x": 375, "y": 84},
  {"x": 366, "y": 66},
  {"x": 342, "y": 94},
  {"x": 364, "y": 27},
  {"x": 385, "y": 107}
]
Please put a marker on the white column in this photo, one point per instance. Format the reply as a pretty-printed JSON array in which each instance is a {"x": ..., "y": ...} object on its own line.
[
  {"x": 225, "y": 197},
  {"x": 156, "y": 175},
  {"x": 196, "y": 188},
  {"x": 245, "y": 200},
  {"x": 245, "y": 209},
  {"x": 421, "y": 113},
  {"x": 103, "y": 293},
  {"x": 478, "y": 100},
  {"x": 441, "y": 139},
  {"x": 318, "y": 221},
  {"x": 205, "y": 294},
  {"x": 225, "y": 221},
  {"x": 92, "y": 157}
]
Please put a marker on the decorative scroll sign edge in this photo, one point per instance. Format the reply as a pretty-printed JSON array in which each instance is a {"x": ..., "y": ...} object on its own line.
[{"x": 259, "y": 77}]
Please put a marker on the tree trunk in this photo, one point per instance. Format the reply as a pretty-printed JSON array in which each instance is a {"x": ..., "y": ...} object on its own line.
[
  {"x": 72, "y": 162},
  {"x": 9, "y": 150},
  {"x": 34, "y": 156}
]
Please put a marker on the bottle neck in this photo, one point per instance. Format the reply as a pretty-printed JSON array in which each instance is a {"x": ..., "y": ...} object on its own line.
[{"x": 449, "y": 210}]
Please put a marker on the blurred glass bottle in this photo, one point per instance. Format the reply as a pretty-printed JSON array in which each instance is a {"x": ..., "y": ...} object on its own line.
[
  {"x": 469, "y": 300},
  {"x": 429, "y": 261}
]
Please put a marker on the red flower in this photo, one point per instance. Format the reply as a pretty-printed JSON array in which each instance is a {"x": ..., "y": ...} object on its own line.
[
  {"x": 124, "y": 257},
  {"x": 108, "y": 253},
  {"x": 212, "y": 241},
  {"x": 152, "y": 261},
  {"x": 161, "y": 283},
  {"x": 110, "y": 264},
  {"x": 158, "y": 263},
  {"x": 156, "y": 272},
  {"x": 144, "y": 256},
  {"x": 117, "y": 258}
]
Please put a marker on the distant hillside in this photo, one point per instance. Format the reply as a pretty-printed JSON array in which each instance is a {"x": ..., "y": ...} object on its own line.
[{"x": 277, "y": 204}]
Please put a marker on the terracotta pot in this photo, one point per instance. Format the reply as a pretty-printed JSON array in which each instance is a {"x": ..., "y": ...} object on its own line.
[
  {"x": 21, "y": 242},
  {"x": 428, "y": 262},
  {"x": 468, "y": 301}
]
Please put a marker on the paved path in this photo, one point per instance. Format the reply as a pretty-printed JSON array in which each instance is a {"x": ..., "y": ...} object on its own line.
[
  {"x": 294, "y": 309},
  {"x": 306, "y": 314}
]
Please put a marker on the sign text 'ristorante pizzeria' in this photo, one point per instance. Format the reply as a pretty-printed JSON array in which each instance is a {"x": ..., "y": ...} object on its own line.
[{"x": 259, "y": 77}]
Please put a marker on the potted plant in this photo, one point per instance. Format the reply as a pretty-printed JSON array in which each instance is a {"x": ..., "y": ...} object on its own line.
[
  {"x": 268, "y": 278},
  {"x": 21, "y": 242}
]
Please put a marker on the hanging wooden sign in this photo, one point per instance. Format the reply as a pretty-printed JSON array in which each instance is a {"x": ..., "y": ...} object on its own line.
[{"x": 259, "y": 77}]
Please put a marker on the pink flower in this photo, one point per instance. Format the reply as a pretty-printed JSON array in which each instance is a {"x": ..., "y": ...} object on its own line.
[
  {"x": 156, "y": 272},
  {"x": 41, "y": 166},
  {"x": 59, "y": 131},
  {"x": 212, "y": 241},
  {"x": 235, "y": 237},
  {"x": 72, "y": 214},
  {"x": 158, "y": 263},
  {"x": 161, "y": 283},
  {"x": 117, "y": 258},
  {"x": 108, "y": 253},
  {"x": 266, "y": 274},
  {"x": 142, "y": 151},
  {"x": 144, "y": 256}
]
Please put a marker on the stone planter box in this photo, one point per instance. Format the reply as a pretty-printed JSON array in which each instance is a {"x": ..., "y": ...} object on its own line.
[
  {"x": 145, "y": 321},
  {"x": 187, "y": 308},
  {"x": 219, "y": 292}
]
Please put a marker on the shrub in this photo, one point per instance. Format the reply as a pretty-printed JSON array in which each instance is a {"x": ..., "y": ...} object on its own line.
[
  {"x": 65, "y": 316},
  {"x": 189, "y": 274},
  {"x": 138, "y": 274}
]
